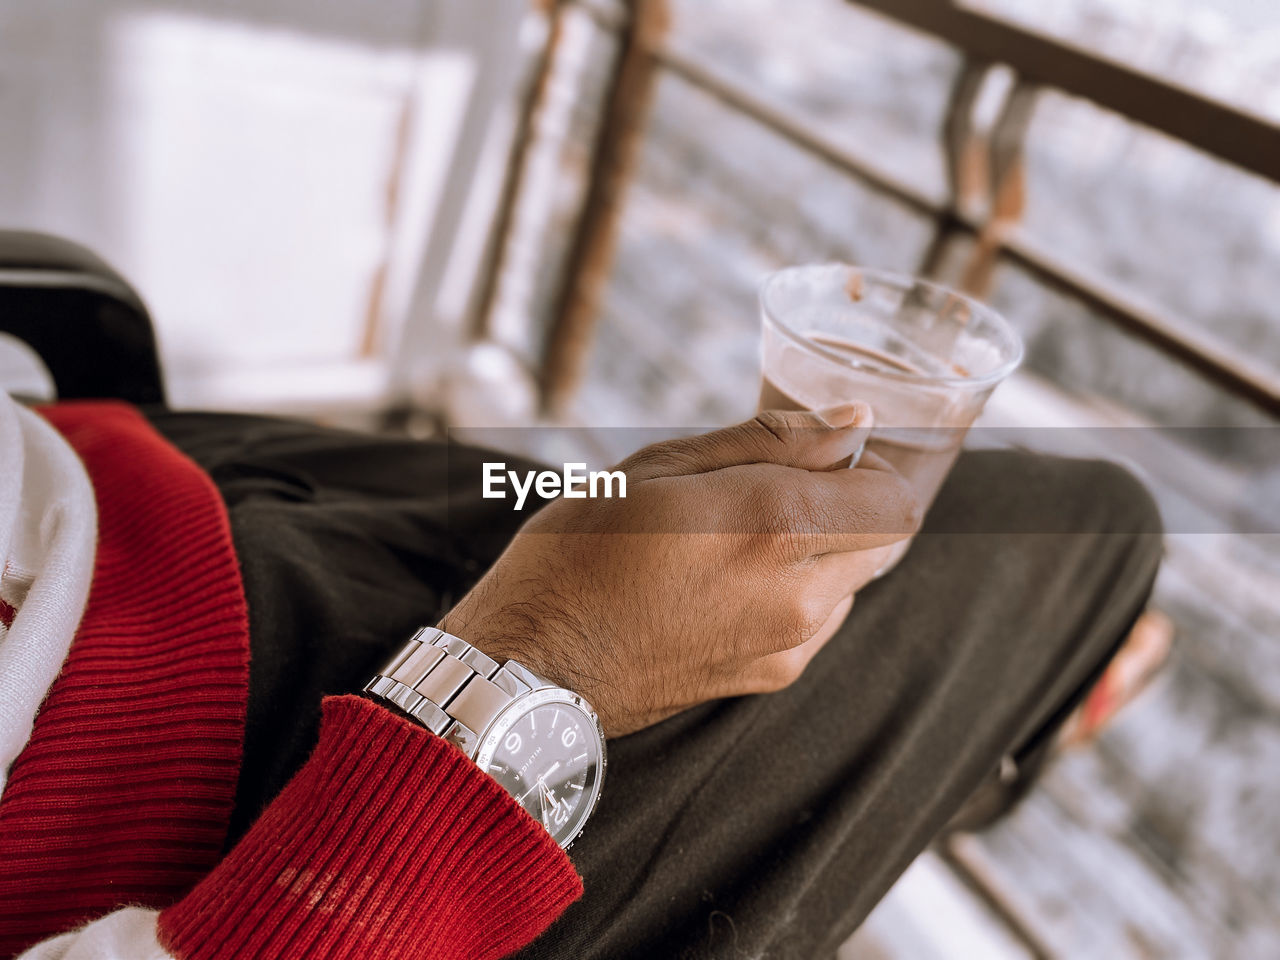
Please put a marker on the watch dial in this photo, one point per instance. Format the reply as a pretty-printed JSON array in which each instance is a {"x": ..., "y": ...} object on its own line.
[{"x": 548, "y": 760}]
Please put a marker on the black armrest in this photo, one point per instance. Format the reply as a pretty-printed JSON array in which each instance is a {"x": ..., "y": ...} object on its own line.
[{"x": 84, "y": 321}]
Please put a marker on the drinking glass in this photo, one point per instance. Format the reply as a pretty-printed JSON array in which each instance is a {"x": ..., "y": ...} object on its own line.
[{"x": 923, "y": 356}]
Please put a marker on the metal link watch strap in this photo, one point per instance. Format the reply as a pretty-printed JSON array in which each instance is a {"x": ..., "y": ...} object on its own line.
[{"x": 448, "y": 686}]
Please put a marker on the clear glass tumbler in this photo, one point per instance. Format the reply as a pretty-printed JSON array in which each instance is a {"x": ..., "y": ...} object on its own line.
[{"x": 925, "y": 358}]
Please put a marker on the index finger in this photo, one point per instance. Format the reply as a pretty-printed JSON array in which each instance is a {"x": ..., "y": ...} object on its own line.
[{"x": 860, "y": 509}]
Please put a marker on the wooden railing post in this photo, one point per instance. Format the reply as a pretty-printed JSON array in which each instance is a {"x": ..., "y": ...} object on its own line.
[
  {"x": 964, "y": 153},
  {"x": 617, "y": 145},
  {"x": 1006, "y": 187},
  {"x": 533, "y": 103}
]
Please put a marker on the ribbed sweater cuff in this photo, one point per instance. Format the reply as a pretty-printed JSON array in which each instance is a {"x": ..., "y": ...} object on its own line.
[{"x": 388, "y": 843}]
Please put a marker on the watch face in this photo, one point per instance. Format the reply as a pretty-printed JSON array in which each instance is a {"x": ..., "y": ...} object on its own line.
[{"x": 547, "y": 755}]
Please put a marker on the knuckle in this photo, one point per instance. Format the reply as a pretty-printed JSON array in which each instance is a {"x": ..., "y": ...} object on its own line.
[
  {"x": 771, "y": 505},
  {"x": 909, "y": 506},
  {"x": 783, "y": 671},
  {"x": 811, "y": 513},
  {"x": 775, "y": 424},
  {"x": 776, "y": 543},
  {"x": 800, "y": 518},
  {"x": 785, "y": 621},
  {"x": 915, "y": 515},
  {"x": 657, "y": 458},
  {"x": 789, "y": 511},
  {"x": 797, "y": 619},
  {"x": 809, "y": 616},
  {"x": 896, "y": 509}
]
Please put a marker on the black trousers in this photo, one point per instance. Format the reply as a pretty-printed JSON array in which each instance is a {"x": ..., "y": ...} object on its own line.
[{"x": 763, "y": 826}]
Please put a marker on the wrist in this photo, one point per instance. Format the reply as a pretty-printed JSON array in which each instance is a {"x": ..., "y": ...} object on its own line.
[
  {"x": 533, "y": 633},
  {"x": 540, "y": 740}
]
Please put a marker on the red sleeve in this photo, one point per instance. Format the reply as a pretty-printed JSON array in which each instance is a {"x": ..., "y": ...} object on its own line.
[{"x": 390, "y": 844}]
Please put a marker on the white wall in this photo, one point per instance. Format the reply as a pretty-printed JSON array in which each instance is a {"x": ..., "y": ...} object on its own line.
[{"x": 236, "y": 161}]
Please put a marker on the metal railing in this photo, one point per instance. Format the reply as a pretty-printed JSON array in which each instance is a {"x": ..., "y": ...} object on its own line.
[{"x": 989, "y": 162}]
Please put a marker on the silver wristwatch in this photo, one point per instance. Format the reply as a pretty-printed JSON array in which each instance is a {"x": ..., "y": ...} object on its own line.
[{"x": 543, "y": 743}]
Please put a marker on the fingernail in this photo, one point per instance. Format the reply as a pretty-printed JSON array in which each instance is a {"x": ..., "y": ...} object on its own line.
[
  {"x": 844, "y": 415},
  {"x": 857, "y": 455}
]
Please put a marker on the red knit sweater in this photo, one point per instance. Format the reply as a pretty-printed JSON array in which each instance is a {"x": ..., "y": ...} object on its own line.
[{"x": 389, "y": 843}]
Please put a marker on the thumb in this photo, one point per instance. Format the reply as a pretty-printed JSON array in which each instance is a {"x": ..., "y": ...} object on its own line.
[{"x": 806, "y": 439}]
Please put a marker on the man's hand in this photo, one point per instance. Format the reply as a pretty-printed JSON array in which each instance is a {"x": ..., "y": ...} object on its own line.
[{"x": 733, "y": 558}]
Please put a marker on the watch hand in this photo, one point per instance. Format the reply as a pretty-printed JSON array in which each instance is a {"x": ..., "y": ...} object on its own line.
[
  {"x": 542, "y": 799},
  {"x": 546, "y": 773},
  {"x": 536, "y": 784}
]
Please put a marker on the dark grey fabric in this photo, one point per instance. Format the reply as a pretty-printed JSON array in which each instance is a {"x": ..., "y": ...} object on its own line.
[{"x": 763, "y": 826}]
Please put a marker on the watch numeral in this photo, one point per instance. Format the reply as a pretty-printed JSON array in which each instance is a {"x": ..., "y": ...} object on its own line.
[{"x": 513, "y": 742}]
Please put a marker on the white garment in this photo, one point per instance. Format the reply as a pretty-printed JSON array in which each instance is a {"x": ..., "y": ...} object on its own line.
[
  {"x": 128, "y": 934},
  {"x": 48, "y": 533}
]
